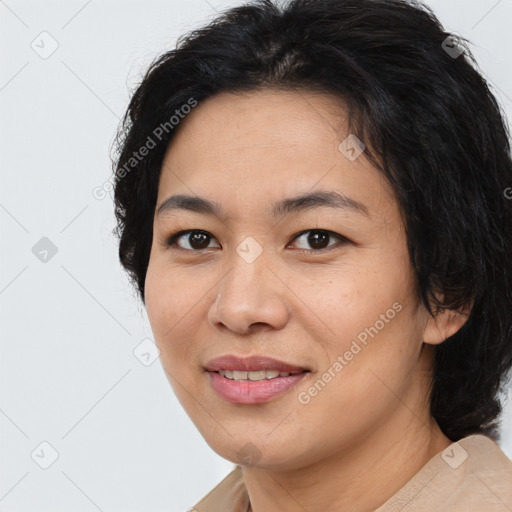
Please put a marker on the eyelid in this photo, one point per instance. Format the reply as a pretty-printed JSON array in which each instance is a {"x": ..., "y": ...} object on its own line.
[
  {"x": 331, "y": 234},
  {"x": 170, "y": 241}
]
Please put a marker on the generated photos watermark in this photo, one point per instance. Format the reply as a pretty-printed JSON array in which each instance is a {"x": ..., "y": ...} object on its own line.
[
  {"x": 157, "y": 135},
  {"x": 357, "y": 345}
]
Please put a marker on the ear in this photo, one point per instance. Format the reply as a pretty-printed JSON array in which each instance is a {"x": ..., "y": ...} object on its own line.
[{"x": 444, "y": 324}]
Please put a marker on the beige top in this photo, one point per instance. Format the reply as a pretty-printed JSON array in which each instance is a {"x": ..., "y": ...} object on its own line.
[{"x": 471, "y": 475}]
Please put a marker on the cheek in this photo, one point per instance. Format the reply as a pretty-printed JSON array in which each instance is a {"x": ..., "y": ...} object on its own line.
[
  {"x": 157, "y": 299},
  {"x": 168, "y": 295},
  {"x": 368, "y": 371},
  {"x": 347, "y": 301},
  {"x": 164, "y": 304},
  {"x": 374, "y": 328},
  {"x": 174, "y": 302}
]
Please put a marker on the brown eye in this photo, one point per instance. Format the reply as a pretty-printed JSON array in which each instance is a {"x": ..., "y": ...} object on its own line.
[
  {"x": 318, "y": 239},
  {"x": 190, "y": 240},
  {"x": 196, "y": 240}
]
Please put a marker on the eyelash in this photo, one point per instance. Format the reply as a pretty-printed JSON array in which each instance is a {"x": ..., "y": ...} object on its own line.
[{"x": 171, "y": 241}]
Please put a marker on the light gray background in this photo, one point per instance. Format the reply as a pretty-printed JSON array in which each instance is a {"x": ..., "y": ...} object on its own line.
[{"x": 69, "y": 326}]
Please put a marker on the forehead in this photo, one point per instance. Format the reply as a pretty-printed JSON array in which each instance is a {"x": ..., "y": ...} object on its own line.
[
  {"x": 238, "y": 147},
  {"x": 259, "y": 120}
]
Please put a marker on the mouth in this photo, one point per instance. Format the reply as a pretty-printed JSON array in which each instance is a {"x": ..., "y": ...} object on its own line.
[
  {"x": 252, "y": 365},
  {"x": 252, "y": 380},
  {"x": 256, "y": 375}
]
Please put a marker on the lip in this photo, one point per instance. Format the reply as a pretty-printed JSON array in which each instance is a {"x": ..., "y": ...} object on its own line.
[
  {"x": 252, "y": 363},
  {"x": 252, "y": 392},
  {"x": 247, "y": 391}
]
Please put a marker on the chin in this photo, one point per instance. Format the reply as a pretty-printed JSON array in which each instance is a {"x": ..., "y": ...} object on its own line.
[{"x": 262, "y": 455}]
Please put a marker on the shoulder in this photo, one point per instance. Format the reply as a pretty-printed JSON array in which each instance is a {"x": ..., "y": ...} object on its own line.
[
  {"x": 470, "y": 475},
  {"x": 488, "y": 473},
  {"x": 229, "y": 495}
]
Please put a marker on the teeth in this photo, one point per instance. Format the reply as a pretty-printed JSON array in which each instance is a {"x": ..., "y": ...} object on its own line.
[
  {"x": 256, "y": 375},
  {"x": 259, "y": 375}
]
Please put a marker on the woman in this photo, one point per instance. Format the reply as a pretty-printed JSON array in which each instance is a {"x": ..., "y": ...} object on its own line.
[{"x": 311, "y": 202}]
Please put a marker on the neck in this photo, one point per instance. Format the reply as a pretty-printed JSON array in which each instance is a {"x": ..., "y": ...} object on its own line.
[{"x": 359, "y": 478}]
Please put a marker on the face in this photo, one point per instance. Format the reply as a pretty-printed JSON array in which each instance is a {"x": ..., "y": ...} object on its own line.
[{"x": 323, "y": 285}]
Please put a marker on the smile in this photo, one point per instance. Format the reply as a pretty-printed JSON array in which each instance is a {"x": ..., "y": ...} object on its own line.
[
  {"x": 253, "y": 375},
  {"x": 252, "y": 387}
]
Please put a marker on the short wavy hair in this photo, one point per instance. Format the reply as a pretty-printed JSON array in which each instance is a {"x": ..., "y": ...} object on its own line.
[{"x": 430, "y": 124}]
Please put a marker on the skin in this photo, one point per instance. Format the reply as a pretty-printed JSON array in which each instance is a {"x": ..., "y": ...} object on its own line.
[{"x": 369, "y": 430}]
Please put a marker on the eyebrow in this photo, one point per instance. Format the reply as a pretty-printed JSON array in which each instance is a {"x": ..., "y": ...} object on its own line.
[{"x": 301, "y": 203}]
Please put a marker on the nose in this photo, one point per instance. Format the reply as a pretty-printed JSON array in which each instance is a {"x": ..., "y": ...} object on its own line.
[{"x": 249, "y": 297}]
